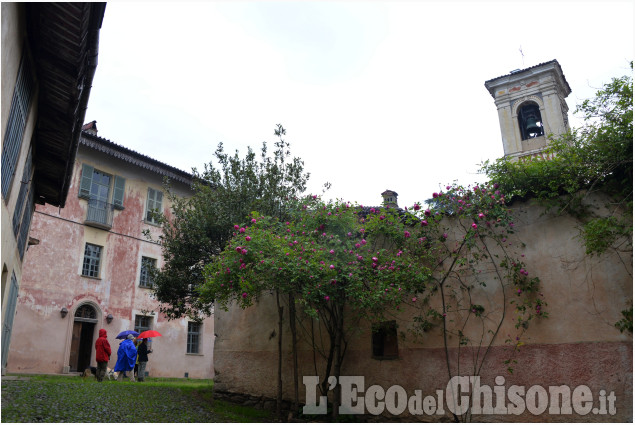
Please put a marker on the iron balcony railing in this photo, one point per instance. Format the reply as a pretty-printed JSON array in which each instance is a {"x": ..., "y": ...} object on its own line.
[{"x": 99, "y": 214}]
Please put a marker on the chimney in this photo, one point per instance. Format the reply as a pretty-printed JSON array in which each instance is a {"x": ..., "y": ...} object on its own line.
[
  {"x": 90, "y": 128},
  {"x": 390, "y": 198}
]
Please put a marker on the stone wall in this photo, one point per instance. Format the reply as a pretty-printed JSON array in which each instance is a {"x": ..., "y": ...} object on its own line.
[{"x": 577, "y": 345}]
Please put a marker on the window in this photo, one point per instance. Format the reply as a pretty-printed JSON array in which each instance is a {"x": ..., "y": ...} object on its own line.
[
  {"x": 24, "y": 207},
  {"x": 142, "y": 323},
  {"x": 86, "y": 312},
  {"x": 14, "y": 133},
  {"x": 193, "y": 337},
  {"x": 92, "y": 256},
  {"x": 95, "y": 186},
  {"x": 147, "y": 267},
  {"x": 154, "y": 205},
  {"x": 9, "y": 314},
  {"x": 385, "y": 340},
  {"x": 25, "y": 186}
]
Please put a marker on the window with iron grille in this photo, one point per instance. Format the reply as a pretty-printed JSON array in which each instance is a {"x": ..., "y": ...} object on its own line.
[
  {"x": 193, "y": 337},
  {"x": 92, "y": 259},
  {"x": 147, "y": 266},
  {"x": 14, "y": 132},
  {"x": 142, "y": 323},
  {"x": 154, "y": 205}
]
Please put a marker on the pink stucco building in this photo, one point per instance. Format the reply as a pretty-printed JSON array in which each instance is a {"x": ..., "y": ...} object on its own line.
[{"x": 90, "y": 269}]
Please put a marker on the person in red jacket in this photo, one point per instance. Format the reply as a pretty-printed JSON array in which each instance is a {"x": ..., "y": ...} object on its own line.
[{"x": 102, "y": 354}]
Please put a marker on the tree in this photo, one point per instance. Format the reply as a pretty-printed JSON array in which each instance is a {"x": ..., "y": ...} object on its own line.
[
  {"x": 201, "y": 225},
  {"x": 332, "y": 257}
]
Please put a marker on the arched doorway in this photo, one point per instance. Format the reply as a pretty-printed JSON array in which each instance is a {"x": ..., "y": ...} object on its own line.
[{"x": 82, "y": 340}]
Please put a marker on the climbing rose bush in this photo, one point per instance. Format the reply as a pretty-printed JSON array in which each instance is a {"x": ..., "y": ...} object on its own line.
[{"x": 329, "y": 253}]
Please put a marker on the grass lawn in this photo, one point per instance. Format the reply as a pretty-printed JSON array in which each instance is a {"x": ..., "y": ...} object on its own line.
[{"x": 46, "y": 398}]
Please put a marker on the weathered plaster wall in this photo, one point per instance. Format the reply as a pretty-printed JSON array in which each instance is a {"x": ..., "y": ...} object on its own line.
[
  {"x": 13, "y": 35},
  {"x": 576, "y": 345},
  {"x": 52, "y": 280}
]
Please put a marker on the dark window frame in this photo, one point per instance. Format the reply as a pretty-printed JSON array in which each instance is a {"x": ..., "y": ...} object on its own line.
[
  {"x": 142, "y": 323},
  {"x": 145, "y": 276},
  {"x": 154, "y": 204},
  {"x": 91, "y": 266},
  {"x": 193, "y": 337}
]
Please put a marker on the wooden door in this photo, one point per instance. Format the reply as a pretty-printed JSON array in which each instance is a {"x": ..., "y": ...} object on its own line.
[{"x": 77, "y": 331}]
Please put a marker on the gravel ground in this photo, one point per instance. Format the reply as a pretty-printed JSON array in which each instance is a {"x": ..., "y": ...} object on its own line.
[{"x": 29, "y": 400}]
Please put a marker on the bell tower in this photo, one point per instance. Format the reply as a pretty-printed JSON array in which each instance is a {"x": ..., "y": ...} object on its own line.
[{"x": 531, "y": 106}]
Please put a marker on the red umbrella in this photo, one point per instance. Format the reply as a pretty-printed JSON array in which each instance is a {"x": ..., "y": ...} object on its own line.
[{"x": 148, "y": 334}]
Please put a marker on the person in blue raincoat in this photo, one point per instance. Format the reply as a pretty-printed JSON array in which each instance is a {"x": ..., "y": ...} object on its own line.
[{"x": 126, "y": 358}]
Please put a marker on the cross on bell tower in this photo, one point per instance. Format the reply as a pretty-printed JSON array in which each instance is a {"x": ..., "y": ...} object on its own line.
[{"x": 531, "y": 106}]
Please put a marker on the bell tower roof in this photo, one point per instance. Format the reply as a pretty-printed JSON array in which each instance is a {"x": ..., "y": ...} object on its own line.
[{"x": 519, "y": 74}]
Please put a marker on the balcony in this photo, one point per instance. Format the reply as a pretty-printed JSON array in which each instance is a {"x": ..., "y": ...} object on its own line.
[{"x": 99, "y": 214}]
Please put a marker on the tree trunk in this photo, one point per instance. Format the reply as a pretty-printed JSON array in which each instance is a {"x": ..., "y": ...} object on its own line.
[
  {"x": 279, "y": 397},
  {"x": 337, "y": 369},
  {"x": 294, "y": 343}
]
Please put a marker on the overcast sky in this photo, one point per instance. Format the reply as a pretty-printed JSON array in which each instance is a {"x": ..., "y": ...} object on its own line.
[{"x": 373, "y": 95}]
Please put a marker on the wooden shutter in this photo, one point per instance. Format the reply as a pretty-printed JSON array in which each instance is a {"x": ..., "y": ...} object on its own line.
[
  {"x": 118, "y": 192},
  {"x": 18, "y": 112},
  {"x": 9, "y": 314},
  {"x": 25, "y": 185},
  {"x": 87, "y": 181}
]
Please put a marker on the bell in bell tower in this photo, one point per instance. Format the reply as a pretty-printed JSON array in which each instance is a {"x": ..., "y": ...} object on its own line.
[{"x": 531, "y": 106}]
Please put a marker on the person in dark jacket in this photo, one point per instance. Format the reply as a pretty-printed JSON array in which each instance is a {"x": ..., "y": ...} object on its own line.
[
  {"x": 142, "y": 353},
  {"x": 102, "y": 354}
]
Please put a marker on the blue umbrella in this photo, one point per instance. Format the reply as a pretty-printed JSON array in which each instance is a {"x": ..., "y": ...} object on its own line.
[{"x": 124, "y": 334}]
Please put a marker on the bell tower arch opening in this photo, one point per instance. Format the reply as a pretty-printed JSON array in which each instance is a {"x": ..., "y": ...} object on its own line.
[{"x": 530, "y": 121}]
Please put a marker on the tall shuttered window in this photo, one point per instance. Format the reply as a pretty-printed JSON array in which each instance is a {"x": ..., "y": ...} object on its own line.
[
  {"x": 96, "y": 185},
  {"x": 24, "y": 207},
  {"x": 98, "y": 188},
  {"x": 26, "y": 224},
  {"x": 18, "y": 113},
  {"x": 154, "y": 205},
  {"x": 25, "y": 189},
  {"x": 9, "y": 314}
]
